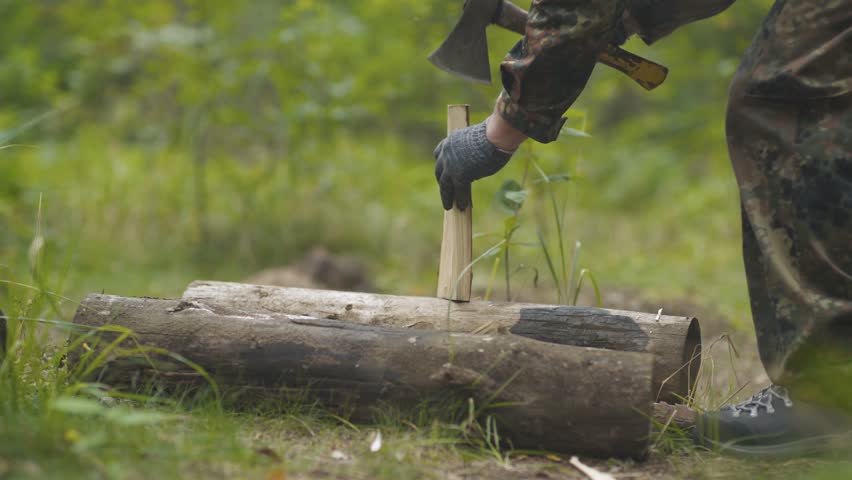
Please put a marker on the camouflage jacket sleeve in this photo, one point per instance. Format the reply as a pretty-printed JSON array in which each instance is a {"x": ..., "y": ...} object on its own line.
[{"x": 546, "y": 71}]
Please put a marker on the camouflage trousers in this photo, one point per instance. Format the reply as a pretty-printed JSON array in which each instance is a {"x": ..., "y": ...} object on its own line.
[{"x": 789, "y": 132}]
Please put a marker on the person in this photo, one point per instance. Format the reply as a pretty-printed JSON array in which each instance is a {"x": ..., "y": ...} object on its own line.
[{"x": 789, "y": 135}]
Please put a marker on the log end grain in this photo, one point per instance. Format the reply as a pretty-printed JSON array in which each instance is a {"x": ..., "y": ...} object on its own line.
[{"x": 683, "y": 379}]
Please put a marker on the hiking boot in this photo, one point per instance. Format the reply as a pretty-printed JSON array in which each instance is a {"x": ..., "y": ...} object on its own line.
[{"x": 772, "y": 424}]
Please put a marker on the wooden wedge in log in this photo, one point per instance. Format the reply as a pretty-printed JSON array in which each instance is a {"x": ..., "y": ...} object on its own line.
[
  {"x": 674, "y": 341},
  {"x": 543, "y": 395},
  {"x": 454, "y": 274}
]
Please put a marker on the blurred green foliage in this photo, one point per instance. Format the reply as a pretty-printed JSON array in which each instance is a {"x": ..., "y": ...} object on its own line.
[{"x": 204, "y": 138}]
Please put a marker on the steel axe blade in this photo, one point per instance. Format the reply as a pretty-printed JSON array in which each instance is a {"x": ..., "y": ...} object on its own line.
[{"x": 465, "y": 50}]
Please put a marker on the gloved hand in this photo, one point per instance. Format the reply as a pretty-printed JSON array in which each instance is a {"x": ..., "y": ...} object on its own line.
[{"x": 464, "y": 156}]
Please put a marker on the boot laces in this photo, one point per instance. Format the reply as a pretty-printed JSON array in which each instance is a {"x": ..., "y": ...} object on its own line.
[{"x": 763, "y": 399}]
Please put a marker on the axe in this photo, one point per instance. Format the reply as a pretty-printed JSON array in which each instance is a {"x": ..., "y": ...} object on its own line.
[{"x": 465, "y": 50}]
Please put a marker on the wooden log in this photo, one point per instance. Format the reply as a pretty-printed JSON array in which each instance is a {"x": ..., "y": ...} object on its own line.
[
  {"x": 454, "y": 276},
  {"x": 543, "y": 396},
  {"x": 674, "y": 341}
]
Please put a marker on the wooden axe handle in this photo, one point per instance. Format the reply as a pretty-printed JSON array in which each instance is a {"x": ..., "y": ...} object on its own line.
[{"x": 646, "y": 73}]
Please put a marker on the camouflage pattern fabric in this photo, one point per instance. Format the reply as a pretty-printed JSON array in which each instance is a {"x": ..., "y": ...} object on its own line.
[
  {"x": 547, "y": 69},
  {"x": 789, "y": 130},
  {"x": 658, "y": 18}
]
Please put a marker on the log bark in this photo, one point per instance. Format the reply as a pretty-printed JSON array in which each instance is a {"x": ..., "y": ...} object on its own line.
[
  {"x": 543, "y": 396},
  {"x": 674, "y": 341}
]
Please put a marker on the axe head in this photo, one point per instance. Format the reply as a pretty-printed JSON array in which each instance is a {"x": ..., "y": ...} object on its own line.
[{"x": 465, "y": 50}]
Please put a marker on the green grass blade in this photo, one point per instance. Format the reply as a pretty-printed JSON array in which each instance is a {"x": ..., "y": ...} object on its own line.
[
  {"x": 8, "y": 135},
  {"x": 550, "y": 266},
  {"x": 491, "y": 278},
  {"x": 573, "y": 287},
  {"x": 585, "y": 272}
]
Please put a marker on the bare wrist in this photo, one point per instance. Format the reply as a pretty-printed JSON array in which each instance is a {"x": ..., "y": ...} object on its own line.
[{"x": 503, "y": 135}]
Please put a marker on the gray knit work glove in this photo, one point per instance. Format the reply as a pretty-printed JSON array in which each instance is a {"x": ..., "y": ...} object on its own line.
[{"x": 464, "y": 156}]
